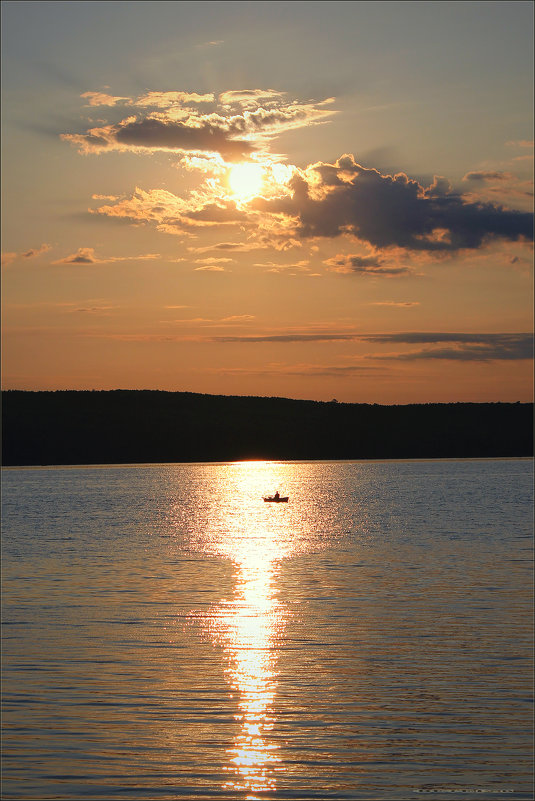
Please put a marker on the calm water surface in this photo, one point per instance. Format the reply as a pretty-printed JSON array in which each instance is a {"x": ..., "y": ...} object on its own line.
[{"x": 168, "y": 635}]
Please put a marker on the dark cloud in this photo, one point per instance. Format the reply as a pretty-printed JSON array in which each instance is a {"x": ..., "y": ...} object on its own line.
[
  {"x": 155, "y": 133},
  {"x": 462, "y": 347},
  {"x": 488, "y": 175},
  {"x": 440, "y": 187},
  {"x": 432, "y": 337},
  {"x": 79, "y": 259},
  {"x": 366, "y": 265},
  {"x": 393, "y": 211},
  {"x": 359, "y": 262}
]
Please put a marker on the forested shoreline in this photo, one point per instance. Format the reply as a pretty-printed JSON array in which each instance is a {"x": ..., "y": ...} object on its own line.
[{"x": 146, "y": 426}]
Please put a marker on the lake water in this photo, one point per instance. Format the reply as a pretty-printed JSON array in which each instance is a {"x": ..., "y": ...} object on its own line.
[{"x": 168, "y": 635}]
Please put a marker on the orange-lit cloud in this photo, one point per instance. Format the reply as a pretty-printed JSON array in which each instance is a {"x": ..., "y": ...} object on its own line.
[
  {"x": 250, "y": 97},
  {"x": 178, "y": 128},
  {"x": 98, "y": 310},
  {"x": 173, "y": 214},
  {"x": 222, "y": 260},
  {"x": 102, "y": 99},
  {"x": 10, "y": 257},
  {"x": 277, "y": 267},
  {"x": 236, "y": 247},
  {"x": 88, "y": 256},
  {"x": 152, "y": 99},
  {"x": 168, "y": 99}
]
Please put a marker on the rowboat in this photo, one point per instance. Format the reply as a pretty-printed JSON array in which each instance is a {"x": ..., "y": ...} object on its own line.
[{"x": 276, "y": 498}]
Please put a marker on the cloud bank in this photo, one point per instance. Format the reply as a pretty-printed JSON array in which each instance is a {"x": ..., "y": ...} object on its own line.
[
  {"x": 394, "y": 215},
  {"x": 461, "y": 346}
]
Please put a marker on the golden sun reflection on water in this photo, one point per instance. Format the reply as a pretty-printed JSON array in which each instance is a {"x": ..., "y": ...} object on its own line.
[{"x": 249, "y": 625}]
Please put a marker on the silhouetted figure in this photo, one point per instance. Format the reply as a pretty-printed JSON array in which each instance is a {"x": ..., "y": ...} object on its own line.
[{"x": 277, "y": 496}]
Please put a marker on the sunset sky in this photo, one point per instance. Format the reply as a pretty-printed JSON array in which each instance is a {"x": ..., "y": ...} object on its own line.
[{"x": 303, "y": 199}]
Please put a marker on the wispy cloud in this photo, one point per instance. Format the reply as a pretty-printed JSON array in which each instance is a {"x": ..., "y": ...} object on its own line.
[
  {"x": 396, "y": 304},
  {"x": 233, "y": 319},
  {"x": 250, "y": 97},
  {"x": 521, "y": 143},
  {"x": 212, "y": 43},
  {"x": 221, "y": 260},
  {"x": 290, "y": 337},
  {"x": 102, "y": 99},
  {"x": 301, "y": 370},
  {"x": 277, "y": 267},
  {"x": 492, "y": 186},
  {"x": 88, "y": 256},
  {"x": 10, "y": 257},
  {"x": 236, "y": 247},
  {"x": 97, "y": 310},
  {"x": 154, "y": 99}
]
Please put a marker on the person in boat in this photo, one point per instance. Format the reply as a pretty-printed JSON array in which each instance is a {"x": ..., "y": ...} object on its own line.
[{"x": 277, "y": 495}]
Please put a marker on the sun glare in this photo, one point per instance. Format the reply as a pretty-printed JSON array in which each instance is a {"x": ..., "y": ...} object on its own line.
[{"x": 246, "y": 179}]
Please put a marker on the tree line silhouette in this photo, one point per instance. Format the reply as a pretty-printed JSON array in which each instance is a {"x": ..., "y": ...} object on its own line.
[{"x": 141, "y": 426}]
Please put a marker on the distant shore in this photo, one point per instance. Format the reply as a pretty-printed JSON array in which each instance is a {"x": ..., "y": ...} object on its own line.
[{"x": 150, "y": 426}]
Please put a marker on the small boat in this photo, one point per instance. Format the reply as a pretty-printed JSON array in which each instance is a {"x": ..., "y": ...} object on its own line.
[{"x": 276, "y": 498}]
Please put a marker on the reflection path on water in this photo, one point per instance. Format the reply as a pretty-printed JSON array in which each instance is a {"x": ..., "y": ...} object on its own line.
[
  {"x": 256, "y": 536},
  {"x": 247, "y": 627}
]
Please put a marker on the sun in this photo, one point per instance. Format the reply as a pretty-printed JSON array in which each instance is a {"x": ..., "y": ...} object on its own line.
[{"x": 245, "y": 180}]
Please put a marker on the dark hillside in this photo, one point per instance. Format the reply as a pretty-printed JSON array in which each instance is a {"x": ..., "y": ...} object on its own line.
[{"x": 121, "y": 426}]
